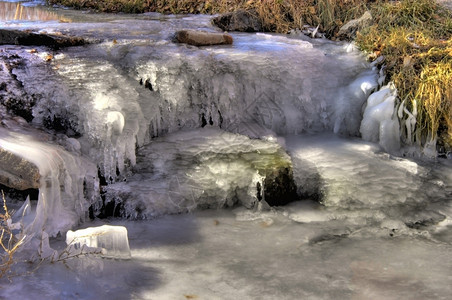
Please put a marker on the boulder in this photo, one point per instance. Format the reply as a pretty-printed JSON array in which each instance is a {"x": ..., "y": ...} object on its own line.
[
  {"x": 18, "y": 173},
  {"x": 240, "y": 20},
  {"x": 26, "y": 38},
  {"x": 349, "y": 30},
  {"x": 279, "y": 186},
  {"x": 202, "y": 38}
]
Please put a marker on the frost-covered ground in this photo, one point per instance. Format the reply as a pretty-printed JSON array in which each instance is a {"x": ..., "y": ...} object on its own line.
[{"x": 382, "y": 231}]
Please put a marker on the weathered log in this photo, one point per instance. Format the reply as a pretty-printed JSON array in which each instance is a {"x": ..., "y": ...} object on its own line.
[{"x": 202, "y": 38}]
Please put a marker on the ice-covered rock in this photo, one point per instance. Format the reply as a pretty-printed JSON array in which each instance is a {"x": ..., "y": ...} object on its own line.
[
  {"x": 357, "y": 175},
  {"x": 204, "y": 168},
  {"x": 67, "y": 182},
  {"x": 109, "y": 241}
]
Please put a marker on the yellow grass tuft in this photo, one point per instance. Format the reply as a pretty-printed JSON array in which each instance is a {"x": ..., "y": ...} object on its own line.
[{"x": 414, "y": 36}]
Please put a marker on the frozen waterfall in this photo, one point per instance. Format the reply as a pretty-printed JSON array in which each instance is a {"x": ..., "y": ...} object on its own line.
[
  {"x": 116, "y": 96},
  {"x": 111, "y": 97}
]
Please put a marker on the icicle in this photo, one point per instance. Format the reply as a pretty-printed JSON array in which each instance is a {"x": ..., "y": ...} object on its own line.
[
  {"x": 61, "y": 202},
  {"x": 380, "y": 123},
  {"x": 409, "y": 122},
  {"x": 314, "y": 33},
  {"x": 21, "y": 213}
]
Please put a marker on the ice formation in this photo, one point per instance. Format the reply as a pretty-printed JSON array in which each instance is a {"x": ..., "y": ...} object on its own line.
[
  {"x": 231, "y": 89},
  {"x": 110, "y": 98},
  {"x": 109, "y": 241},
  {"x": 380, "y": 123},
  {"x": 351, "y": 175},
  {"x": 199, "y": 169},
  {"x": 68, "y": 184}
]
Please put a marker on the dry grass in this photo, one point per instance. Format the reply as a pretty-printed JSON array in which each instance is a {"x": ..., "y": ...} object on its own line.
[
  {"x": 12, "y": 238},
  {"x": 9, "y": 242},
  {"x": 415, "y": 37}
]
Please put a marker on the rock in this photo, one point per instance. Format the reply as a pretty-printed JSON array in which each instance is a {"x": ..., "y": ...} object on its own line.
[
  {"x": 25, "y": 38},
  {"x": 202, "y": 38},
  {"x": 17, "y": 173},
  {"x": 204, "y": 168},
  {"x": 240, "y": 20},
  {"x": 349, "y": 30},
  {"x": 279, "y": 186}
]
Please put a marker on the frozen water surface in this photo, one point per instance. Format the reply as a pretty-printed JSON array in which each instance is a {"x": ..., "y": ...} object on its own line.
[
  {"x": 382, "y": 229},
  {"x": 234, "y": 253},
  {"x": 384, "y": 232}
]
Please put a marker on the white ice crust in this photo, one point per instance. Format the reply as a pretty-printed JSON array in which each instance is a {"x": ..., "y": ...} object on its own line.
[{"x": 109, "y": 241}]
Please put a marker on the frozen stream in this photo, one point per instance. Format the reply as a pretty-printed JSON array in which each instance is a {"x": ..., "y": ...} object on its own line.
[{"x": 382, "y": 229}]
